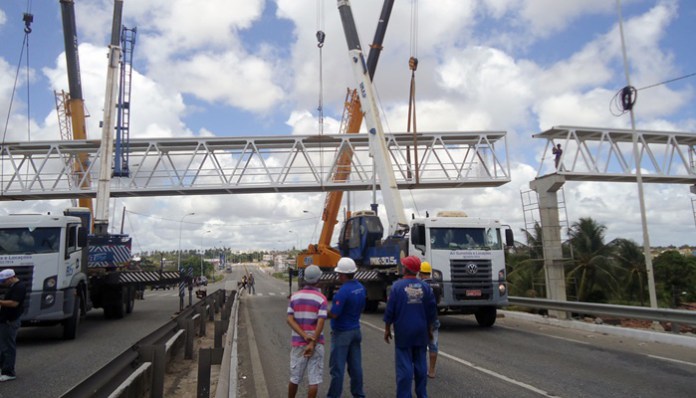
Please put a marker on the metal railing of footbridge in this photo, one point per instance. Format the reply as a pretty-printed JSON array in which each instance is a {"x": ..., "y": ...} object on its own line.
[{"x": 270, "y": 164}]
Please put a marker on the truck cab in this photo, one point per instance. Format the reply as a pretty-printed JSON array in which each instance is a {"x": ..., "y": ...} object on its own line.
[
  {"x": 45, "y": 251},
  {"x": 467, "y": 256}
]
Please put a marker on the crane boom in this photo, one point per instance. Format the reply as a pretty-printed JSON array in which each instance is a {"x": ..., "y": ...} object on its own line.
[
  {"x": 101, "y": 218},
  {"x": 396, "y": 215},
  {"x": 322, "y": 254}
]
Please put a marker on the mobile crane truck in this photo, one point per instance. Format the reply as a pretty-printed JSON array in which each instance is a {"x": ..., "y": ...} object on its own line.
[
  {"x": 470, "y": 266},
  {"x": 67, "y": 270}
]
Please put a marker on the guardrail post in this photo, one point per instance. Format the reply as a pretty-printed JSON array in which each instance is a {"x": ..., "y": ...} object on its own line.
[
  {"x": 156, "y": 354},
  {"x": 220, "y": 329},
  {"x": 188, "y": 352},
  {"x": 201, "y": 325},
  {"x": 204, "y": 362},
  {"x": 675, "y": 328}
]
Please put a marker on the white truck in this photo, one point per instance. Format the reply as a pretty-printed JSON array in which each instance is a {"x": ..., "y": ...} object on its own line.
[
  {"x": 467, "y": 256},
  {"x": 49, "y": 253}
]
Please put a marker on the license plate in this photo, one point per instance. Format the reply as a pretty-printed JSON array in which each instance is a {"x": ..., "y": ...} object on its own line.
[{"x": 473, "y": 293}]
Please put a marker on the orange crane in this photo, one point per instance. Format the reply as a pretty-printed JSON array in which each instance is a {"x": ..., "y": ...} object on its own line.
[{"x": 321, "y": 253}]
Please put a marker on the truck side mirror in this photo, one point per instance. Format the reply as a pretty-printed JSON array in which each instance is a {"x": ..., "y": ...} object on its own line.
[
  {"x": 509, "y": 238},
  {"x": 418, "y": 237},
  {"x": 81, "y": 237}
]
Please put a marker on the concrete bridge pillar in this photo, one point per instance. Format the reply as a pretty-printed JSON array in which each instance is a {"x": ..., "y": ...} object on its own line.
[{"x": 546, "y": 188}]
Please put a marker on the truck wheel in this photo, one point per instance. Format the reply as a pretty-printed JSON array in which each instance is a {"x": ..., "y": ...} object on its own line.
[
  {"x": 486, "y": 316},
  {"x": 130, "y": 300},
  {"x": 70, "y": 325},
  {"x": 119, "y": 305}
]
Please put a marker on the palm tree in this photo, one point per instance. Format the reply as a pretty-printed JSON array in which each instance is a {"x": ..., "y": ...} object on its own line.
[
  {"x": 535, "y": 242},
  {"x": 592, "y": 258},
  {"x": 629, "y": 256}
]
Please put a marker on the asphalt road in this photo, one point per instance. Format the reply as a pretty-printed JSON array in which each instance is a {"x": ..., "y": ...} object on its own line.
[
  {"x": 48, "y": 366},
  {"x": 515, "y": 358}
]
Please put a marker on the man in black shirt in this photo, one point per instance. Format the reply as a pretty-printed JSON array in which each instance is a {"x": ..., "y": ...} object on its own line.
[{"x": 11, "y": 308}]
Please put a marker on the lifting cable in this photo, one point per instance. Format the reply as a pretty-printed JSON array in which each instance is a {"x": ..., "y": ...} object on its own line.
[
  {"x": 28, "y": 18},
  {"x": 321, "y": 36},
  {"x": 413, "y": 66}
]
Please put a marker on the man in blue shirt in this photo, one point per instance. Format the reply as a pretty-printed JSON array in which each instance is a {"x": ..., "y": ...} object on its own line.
[
  {"x": 346, "y": 308},
  {"x": 411, "y": 308}
]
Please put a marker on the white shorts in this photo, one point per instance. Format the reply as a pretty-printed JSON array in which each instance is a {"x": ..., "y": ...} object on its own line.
[{"x": 314, "y": 366}]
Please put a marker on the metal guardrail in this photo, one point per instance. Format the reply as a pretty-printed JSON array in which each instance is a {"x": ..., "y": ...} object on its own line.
[
  {"x": 152, "y": 349},
  {"x": 676, "y": 317}
]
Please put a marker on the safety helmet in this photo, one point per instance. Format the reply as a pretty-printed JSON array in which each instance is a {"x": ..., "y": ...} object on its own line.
[
  {"x": 412, "y": 263},
  {"x": 426, "y": 268},
  {"x": 346, "y": 265},
  {"x": 312, "y": 274}
]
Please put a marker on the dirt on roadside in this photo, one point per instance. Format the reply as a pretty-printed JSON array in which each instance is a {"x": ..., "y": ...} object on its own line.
[{"x": 181, "y": 375}]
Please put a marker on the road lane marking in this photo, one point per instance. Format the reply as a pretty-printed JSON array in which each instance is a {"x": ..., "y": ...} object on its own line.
[
  {"x": 672, "y": 360},
  {"x": 480, "y": 369}
]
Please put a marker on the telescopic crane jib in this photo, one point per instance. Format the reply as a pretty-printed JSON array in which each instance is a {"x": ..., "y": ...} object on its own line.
[{"x": 322, "y": 254}]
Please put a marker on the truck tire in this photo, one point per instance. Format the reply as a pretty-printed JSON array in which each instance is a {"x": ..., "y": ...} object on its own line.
[
  {"x": 130, "y": 299},
  {"x": 71, "y": 324},
  {"x": 486, "y": 316},
  {"x": 114, "y": 303}
]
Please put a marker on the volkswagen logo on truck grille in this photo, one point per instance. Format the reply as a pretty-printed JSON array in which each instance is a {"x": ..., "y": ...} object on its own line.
[{"x": 471, "y": 268}]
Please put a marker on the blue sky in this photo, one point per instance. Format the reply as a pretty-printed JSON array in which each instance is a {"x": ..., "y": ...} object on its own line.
[{"x": 250, "y": 67}]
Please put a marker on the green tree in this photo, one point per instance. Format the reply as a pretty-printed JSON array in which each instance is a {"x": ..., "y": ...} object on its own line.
[
  {"x": 629, "y": 256},
  {"x": 592, "y": 263},
  {"x": 525, "y": 267},
  {"x": 674, "y": 274}
]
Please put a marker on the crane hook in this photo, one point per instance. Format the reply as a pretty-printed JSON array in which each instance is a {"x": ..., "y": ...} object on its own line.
[
  {"x": 28, "y": 19},
  {"x": 320, "y": 38}
]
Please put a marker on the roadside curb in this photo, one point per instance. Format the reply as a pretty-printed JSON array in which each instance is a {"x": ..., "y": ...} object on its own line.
[
  {"x": 227, "y": 383},
  {"x": 638, "y": 334}
]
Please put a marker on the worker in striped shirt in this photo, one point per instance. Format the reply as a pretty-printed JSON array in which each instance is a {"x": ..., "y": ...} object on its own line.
[{"x": 306, "y": 317}]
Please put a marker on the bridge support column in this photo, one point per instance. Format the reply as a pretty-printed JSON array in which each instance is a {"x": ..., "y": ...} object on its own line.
[{"x": 547, "y": 187}]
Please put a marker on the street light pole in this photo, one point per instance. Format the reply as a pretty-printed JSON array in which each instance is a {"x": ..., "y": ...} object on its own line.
[
  {"x": 202, "y": 250},
  {"x": 180, "y": 224}
]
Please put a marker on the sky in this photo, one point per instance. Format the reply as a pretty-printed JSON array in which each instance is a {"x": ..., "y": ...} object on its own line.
[{"x": 251, "y": 68}]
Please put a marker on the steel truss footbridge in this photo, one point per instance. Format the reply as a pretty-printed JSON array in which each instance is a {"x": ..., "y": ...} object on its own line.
[{"x": 223, "y": 165}]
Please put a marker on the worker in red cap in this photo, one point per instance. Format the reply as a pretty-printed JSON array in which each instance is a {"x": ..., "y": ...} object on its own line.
[{"x": 411, "y": 308}]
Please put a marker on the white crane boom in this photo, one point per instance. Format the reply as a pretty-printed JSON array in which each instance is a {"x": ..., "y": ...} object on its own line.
[
  {"x": 101, "y": 218},
  {"x": 396, "y": 214}
]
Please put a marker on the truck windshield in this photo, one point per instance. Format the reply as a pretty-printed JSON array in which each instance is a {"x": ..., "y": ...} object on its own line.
[
  {"x": 465, "y": 238},
  {"x": 29, "y": 241}
]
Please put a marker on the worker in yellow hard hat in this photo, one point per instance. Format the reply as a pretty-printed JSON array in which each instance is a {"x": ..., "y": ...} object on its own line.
[{"x": 426, "y": 275}]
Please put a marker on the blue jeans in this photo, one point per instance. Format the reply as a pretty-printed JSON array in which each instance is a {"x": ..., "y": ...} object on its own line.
[
  {"x": 411, "y": 362},
  {"x": 8, "y": 346},
  {"x": 345, "y": 348}
]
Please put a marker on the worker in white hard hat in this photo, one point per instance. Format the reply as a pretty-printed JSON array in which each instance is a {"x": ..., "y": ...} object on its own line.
[
  {"x": 11, "y": 308},
  {"x": 346, "y": 308}
]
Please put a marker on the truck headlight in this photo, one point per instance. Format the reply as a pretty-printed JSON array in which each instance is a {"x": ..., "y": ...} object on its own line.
[
  {"x": 502, "y": 289},
  {"x": 47, "y": 300},
  {"x": 50, "y": 283},
  {"x": 437, "y": 275}
]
